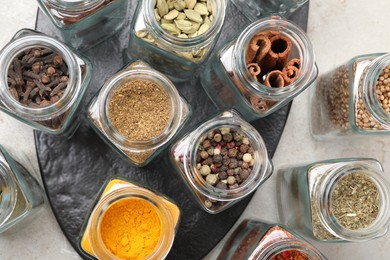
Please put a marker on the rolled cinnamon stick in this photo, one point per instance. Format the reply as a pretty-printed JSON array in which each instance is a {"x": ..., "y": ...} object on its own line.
[
  {"x": 277, "y": 57},
  {"x": 254, "y": 69},
  {"x": 290, "y": 74},
  {"x": 258, "y": 47},
  {"x": 275, "y": 79}
]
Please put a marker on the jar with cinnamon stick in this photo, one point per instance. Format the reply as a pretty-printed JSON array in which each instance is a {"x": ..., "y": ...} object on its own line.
[
  {"x": 262, "y": 69},
  {"x": 84, "y": 23},
  {"x": 353, "y": 99},
  {"x": 254, "y": 239}
]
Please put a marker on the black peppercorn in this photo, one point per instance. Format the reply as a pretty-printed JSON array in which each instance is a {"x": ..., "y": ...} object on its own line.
[
  {"x": 243, "y": 148},
  {"x": 232, "y": 152},
  {"x": 230, "y": 172},
  {"x": 225, "y": 160},
  {"x": 223, "y": 175},
  {"x": 227, "y": 137},
  {"x": 217, "y": 158}
]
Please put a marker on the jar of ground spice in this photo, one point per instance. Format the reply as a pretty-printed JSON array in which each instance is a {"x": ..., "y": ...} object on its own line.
[
  {"x": 20, "y": 193},
  {"x": 336, "y": 200},
  {"x": 176, "y": 36},
  {"x": 222, "y": 161},
  {"x": 262, "y": 69},
  {"x": 254, "y": 239},
  {"x": 42, "y": 82},
  {"x": 137, "y": 112},
  {"x": 353, "y": 99},
  {"x": 129, "y": 222},
  {"x": 84, "y": 23}
]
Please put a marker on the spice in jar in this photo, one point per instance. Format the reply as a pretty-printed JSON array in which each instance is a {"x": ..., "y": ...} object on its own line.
[
  {"x": 383, "y": 88},
  {"x": 131, "y": 228},
  {"x": 290, "y": 255}
]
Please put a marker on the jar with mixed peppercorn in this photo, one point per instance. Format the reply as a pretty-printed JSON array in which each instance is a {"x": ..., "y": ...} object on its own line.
[
  {"x": 222, "y": 161},
  {"x": 353, "y": 99}
]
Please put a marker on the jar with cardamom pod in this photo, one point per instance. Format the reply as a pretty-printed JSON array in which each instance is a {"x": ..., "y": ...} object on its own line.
[
  {"x": 254, "y": 239},
  {"x": 84, "y": 23},
  {"x": 176, "y": 37},
  {"x": 43, "y": 82},
  {"x": 137, "y": 112},
  {"x": 128, "y": 221},
  {"x": 336, "y": 200},
  {"x": 222, "y": 161},
  {"x": 20, "y": 194},
  {"x": 261, "y": 69},
  {"x": 353, "y": 99}
]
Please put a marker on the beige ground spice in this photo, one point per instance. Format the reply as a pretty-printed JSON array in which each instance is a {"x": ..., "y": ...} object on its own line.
[{"x": 140, "y": 109}]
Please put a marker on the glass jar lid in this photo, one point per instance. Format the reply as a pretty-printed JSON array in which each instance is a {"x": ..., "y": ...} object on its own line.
[{"x": 75, "y": 5}]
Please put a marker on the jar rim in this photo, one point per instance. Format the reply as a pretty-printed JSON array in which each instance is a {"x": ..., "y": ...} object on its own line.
[
  {"x": 307, "y": 72},
  {"x": 324, "y": 197},
  {"x": 75, "y": 5},
  {"x": 17, "y": 46},
  {"x": 124, "y": 193}
]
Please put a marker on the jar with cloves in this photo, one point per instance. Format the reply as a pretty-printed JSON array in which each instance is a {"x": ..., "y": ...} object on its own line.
[
  {"x": 176, "y": 36},
  {"x": 254, "y": 239},
  {"x": 84, "y": 23},
  {"x": 138, "y": 112},
  {"x": 262, "y": 69},
  {"x": 340, "y": 200},
  {"x": 353, "y": 99},
  {"x": 20, "y": 193},
  {"x": 222, "y": 161},
  {"x": 43, "y": 82}
]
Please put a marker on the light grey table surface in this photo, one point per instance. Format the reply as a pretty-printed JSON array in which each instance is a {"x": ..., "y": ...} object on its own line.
[{"x": 339, "y": 30}]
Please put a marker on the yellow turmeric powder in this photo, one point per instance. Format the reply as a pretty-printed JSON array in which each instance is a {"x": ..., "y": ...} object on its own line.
[{"x": 131, "y": 228}]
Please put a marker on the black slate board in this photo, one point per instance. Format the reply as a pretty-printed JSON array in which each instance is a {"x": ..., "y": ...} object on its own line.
[{"x": 74, "y": 170}]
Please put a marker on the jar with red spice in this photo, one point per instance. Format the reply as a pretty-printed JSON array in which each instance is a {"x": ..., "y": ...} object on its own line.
[{"x": 254, "y": 239}]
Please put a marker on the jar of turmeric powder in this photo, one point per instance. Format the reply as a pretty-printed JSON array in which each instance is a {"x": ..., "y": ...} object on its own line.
[{"x": 130, "y": 222}]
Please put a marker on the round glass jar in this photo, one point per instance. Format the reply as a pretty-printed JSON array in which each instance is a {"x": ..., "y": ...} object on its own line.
[
  {"x": 84, "y": 23},
  {"x": 116, "y": 191},
  {"x": 254, "y": 239},
  {"x": 317, "y": 192},
  {"x": 229, "y": 83},
  {"x": 20, "y": 193},
  {"x": 346, "y": 102},
  {"x": 177, "y": 57},
  {"x": 214, "y": 199},
  {"x": 139, "y": 153},
  {"x": 60, "y": 117}
]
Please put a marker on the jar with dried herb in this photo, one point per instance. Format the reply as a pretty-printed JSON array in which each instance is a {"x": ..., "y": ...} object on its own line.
[
  {"x": 262, "y": 69},
  {"x": 222, "y": 161},
  {"x": 129, "y": 222},
  {"x": 254, "y": 239},
  {"x": 137, "y": 112},
  {"x": 20, "y": 193},
  {"x": 336, "y": 200},
  {"x": 353, "y": 99},
  {"x": 84, "y": 23},
  {"x": 43, "y": 82},
  {"x": 176, "y": 36}
]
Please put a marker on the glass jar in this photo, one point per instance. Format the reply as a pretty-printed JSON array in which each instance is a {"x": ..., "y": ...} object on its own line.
[
  {"x": 229, "y": 83},
  {"x": 336, "y": 200},
  {"x": 353, "y": 99},
  {"x": 257, "y": 9},
  {"x": 258, "y": 240},
  {"x": 138, "y": 153},
  {"x": 59, "y": 117},
  {"x": 185, "y": 158},
  {"x": 84, "y": 23},
  {"x": 177, "y": 57},
  {"x": 20, "y": 193},
  {"x": 114, "y": 191}
]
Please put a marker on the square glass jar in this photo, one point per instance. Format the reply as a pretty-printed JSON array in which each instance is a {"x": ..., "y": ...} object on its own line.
[
  {"x": 308, "y": 200},
  {"x": 118, "y": 189},
  {"x": 205, "y": 179},
  {"x": 20, "y": 193},
  {"x": 177, "y": 57},
  {"x": 61, "y": 116},
  {"x": 138, "y": 153},
  {"x": 84, "y": 23}
]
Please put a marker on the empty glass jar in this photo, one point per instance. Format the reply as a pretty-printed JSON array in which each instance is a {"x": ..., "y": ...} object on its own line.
[
  {"x": 138, "y": 152},
  {"x": 59, "y": 114},
  {"x": 222, "y": 161},
  {"x": 20, "y": 193},
  {"x": 84, "y": 23},
  {"x": 336, "y": 200},
  {"x": 353, "y": 99},
  {"x": 282, "y": 56},
  {"x": 156, "y": 38}
]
